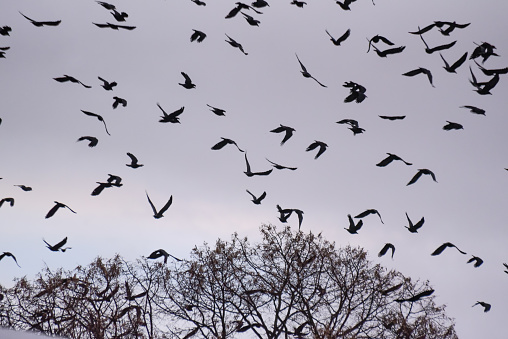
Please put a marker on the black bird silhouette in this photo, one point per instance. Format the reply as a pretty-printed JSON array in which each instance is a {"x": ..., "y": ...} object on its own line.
[
  {"x": 9, "y": 254},
  {"x": 474, "y": 109},
  {"x": 251, "y": 20},
  {"x": 414, "y": 228},
  {"x": 284, "y": 214},
  {"x": 119, "y": 101},
  {"x": 24, "y": 188},
  {"x": 455, "y": 65},
  {"x": 491, "y": 72},
  {"x": 4, "y": 30},
  {"x": 113, "y": 26},
  {"x": 66, "y": 78},
  {"x": 199, "y": 3},
  {"x": 416, "y": 297},
  {"x": 172, "y": 117},
  {"x": 429, "y": 50},
  {"x": 197, "y": 36},
  {"x": 57, "y": 247},
  {"x": 484, "y": 50},
  {"x": 257, "y": 200},
  {"x": 108, "y": 86},
  {"x": 451, "y": 26},
  {"x": 419, "y": 174},
  {"x": 188, "y": 82},
  {"x": 340, "y": 39},
  {"x": 280, "y": 167},
  {"x": 42, "y": 23},
  {"x": 260, "y": 4},
  {"x": 55, "y": 208},
  {"x": 225, "y": 142},
  {"x": 368, "y": 212},
  {"x": 9, "y": 200},
  {"x": 353, "y": 229},
  {"x": 287, "y": 130},
  {"x": 98, "y": 117},
  {"x": 441, "y": 248},
  {"x": 93, "y": 141},
  {"x": 377, "y": 38},
  {"x": 305, "y": 73},
  {"x": 486, "y": 306},
  {"x": 102, "y": 185},
  {"x": 392, "y": 117},
  {"x": 299, "y": 213},
  {"x": 161, "y": 253},
  {"x": 388, "y": 51},
  {"x": 119, "y": 16},
  {"x": 354, "y": 127},
  {"x": 420, "y": 70},
  {"x": 357, "y": 92},
  {"x": 322, "y": 148},
  {"x": 114, "y": 180},
  {"x": 134, "y": 161},
  {"x": 159, "y": 214},
  {"x": 385, "y": 249},
  {"x": 217, "y": 111},
  {"x": 425, "y": 29},
  {"x": 391, "y": 157},
  {"x": 484, "y": 88},
  {"x": 249, "y": 173},
  {"x": 452, "y": 125},
  {"x": 505, "y": 266},
  {"x": 106, "y": 5},
  {"x": 235, "y": 44},
  {"x": 238, "y": 8},
  {"x": 345, "y": 5},
  {"x": 477, "y": 261},
  {"x": 298, "y": 3}
]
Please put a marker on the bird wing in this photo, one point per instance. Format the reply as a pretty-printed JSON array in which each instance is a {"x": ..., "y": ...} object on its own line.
[
  {"x": 413, "y": 72},
  {"x": 177, "y": 112},
  {"x": 151, "y": 204},
  {"x": 220, "y": 144},
  {"x": 415, "y": 178},
  {"x": 459, "y": 62},
  {"x": 133, "y": 158},
  {"x": 61, "y": 243},
  {"x": 166, "y": 206},
  {"x": 187, "y": 79},
  {"x": 385, "y": 161},
  {"x": 344, "y": 36},
  {"x": 301, "y": 65},
  {"x": 52, "y": 211}
]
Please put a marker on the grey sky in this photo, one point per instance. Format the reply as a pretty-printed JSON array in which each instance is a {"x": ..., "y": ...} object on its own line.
[{"x": 42, "y": 119}]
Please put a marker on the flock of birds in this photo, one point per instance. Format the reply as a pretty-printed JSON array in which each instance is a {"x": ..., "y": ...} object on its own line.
[{"x": 381, "y": 45}]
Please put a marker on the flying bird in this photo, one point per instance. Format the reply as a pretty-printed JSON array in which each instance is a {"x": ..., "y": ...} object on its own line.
[
  {"x": 452, "y": 125},
  {"x": 249, "y": 173},
  {"x": 305, "y": 73},
  {"x": 353, "y": 228},
  {"x": 102, "y": 185},
  {"x": 55, "y": 208},
  {"x": 416, "y": 297},
  {"x": 235, "y": 44},
  {"x": 284, "y": 213},
  {"x": 391, "y": 157},
  {"x": 188, "y": 82},
  {"x": 113, "y": 26},
  {"x": 377, "y": 38},
  {"x": 66, "y": 78},
  {"x": 106, "y": 5},
  {"x": 9, "y": 254},
  {"x": 8, "y": 200},
  {"x": 356, "y": 92},
  {"x": 298, "y": 3},
  {"x": 441, "y": 248},
  {"x": 491, "y": 72},
  {"x": 238, "y": 8},
  {"x": 108, "y": 86},
  {"x": 197, "y": 36},
  {"x": 484, "y": 50},
  {"x": 345, "y": 5},
  {"x": 386, "y": 247},
  {"x": 425, "y": 29},
  {"x": 322, "y": 148},
  {"x": 486, "y": 306},
  {"x": 172, "y": 117},
  {"x": 388, "y": 51},
  {"x": 429, "y": 50},
  {"x": 159, "y": 214},
  {"x": 287, "y": 130},
  {"x": 42, "y": 23},
  {"x": 119, "y": 16},
  {"x": 392, "y": 117},
  {"x": 413, "y": 228},
  {"x": 477, "y": 261},
  {"x": 455, "y": 65},
  {"x": 134, "y": 161},
  {"x": 474, "y": 109},
  {"x": 451, "y": 26},
  {"x": 217, "y": 111},
  {"x": 225, "y": 142},
  {"x": 98, "y": 117},
  {"x": 162, "y": 253},
  {"x": 340, "y": 39},
  {"x": 260, "y": 4},
  {"x": 257, "y": 200},
  {"x": 420, "y": 70},
  {"x": 58, "y": 246},
  {"x": 280, "y": 167},
  {"x": 251, "y": 20},
  {"x": 4, "y": 30},
  {"x": 92, "y": 141},
  {"x": 119, "y": 101},
  {"x": 368, "y": 212},
  {"x": 199, "y": 2},
  {"x": 420, "y": 173},
  {"x": 24, "y": 188}
]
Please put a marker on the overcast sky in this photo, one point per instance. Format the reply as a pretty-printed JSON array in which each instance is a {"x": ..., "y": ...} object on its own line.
[{"x": 42, "y": 119}]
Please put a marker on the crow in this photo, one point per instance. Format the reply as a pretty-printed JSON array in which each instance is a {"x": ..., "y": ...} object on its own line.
[
  {"x": 441, "y": 248},
  {"x": 455, "y": 65},
  {"x": 55, "y": 208},
  {"x": 452, "y": 125},
  {"x": 477, "y": 261},
  {"x": 4, "y": 30},
  {"x": 98, "y": 117},
  {"x": 486, "y": 306},
  {"x": 159, "y": 214},
  {"x": 280, "y": 167},
  {"x": 420, "y": 70},
  {"x": 225, "y": 142},
  {"x": 42, "y": 23},
  {"x": 416, "y": 297},
  {"x": 235, "y": 44},
  {"x": 172, "y": 117},
  {"x": 340, "y": 39},
  {"x": 251, "y": 20},
  {"x": 353, "y": 228},
  {"x": 197, "y": 36},
  {"x": 119, "y": 16},
  {"x": 385, "y": 249},
  {"x": 287, "y": 130},
  {"x": 474, "y": 109},
  {"x": 414, "y": 228},
  {"x": 66, "y": 78},
  {"x": 113, "y": 26},
  {"x": 391, "y": 157},
  {"x": 257, "y": 200},
  {"x": 370, "y": 211},
  {"x": 249, "y": 173},
  {"x": 108, "y": 86},
  {"x": 392, "y": 117},
  {"x": 322, "y": 148},
  {"x": 217, "y": 111},
  {"x": 389, "y": 51},
  {"x": 419, "y": 174},
  {"x": 118, "y": 101},
  {"x": 305, "y": 73},
  {"x": 376, "y": 39},
  {"x": 9, "y": 254},
  {"x": 134, "y": 161},
  {"x": 93, "y": 141},
  {"x": 24, "y": 188},
  {"x": 429, "y": 50},
  {"x": 57, "y": 247}
]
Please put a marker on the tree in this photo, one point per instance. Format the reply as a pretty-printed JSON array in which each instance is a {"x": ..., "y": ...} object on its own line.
[{"x": 289, "y": 285}]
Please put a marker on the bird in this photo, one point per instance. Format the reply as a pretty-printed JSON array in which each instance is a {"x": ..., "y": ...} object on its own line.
[
  {"x": 353, "y": 228},
  {"x": 42, "y": 23},
  {"x": 441, "y": 248},
  {"x": 345, "y": 5},
  {"x": 66, "y": 78},
  {"x": 386, "y": 247},
  {"x": 55, "y": 208},
  {"x": 452, "y": 125},
  {"x": 392, "y": 117},
  {"x": 159, "y": 214},
  {"x": 188, "y": 82},
  {"x": 417, "y": 296},
  {"x": 413, "y": 228},
  {"x": 9, "y": 200},
  {"x": 305, "y": 73},
  {"x": 455, "y": 65},
  {"x": 484, "y": 88},
  {"x": 114, "y": 26},
  {"x": 4, "y": 30},
  {"x": 322, "y": 148},
  {"x": 119, "y": 16},
  {"x": 420, "y": 70},
  {"x": 451, "y": 26},
  {"x": 491, "y": 72},
  {"x": 370, "y": 211},
  {"x": 260, "y": 4},
  {"x": 429, "y": 50},
  {"x": 9, "y": 254},
  {"x": 197, "y": 36},
  {"x": 119, "y": 101},
  {"x": 251, "y": 21},
  {"x": 172, "y": 117},
  {"x": 24, "y": 188},
  {"x": 350, "y": 122},
  {"x": 108, "y": 86},
  {"x": 199, "y": 3},
  {"x": 58, "y": 246},
  {"x": 356, "y": 92},
  {"x": 217, "y": 111},
  {"x": 238, "y": 8},
  {"x": 92, "y": 141},
  {"x": 298, "y": 3},
  {"x": 377, "y": 38},
  {"x": 340, "y": 39},
  {"x": 388, "y": 51},
  {"x": 425, "y": 29},
  {"x": 249, "y": 173},
  {"x": 420, "y": 172},
  {"x": 257, "y": 200},
  {"x": 391, "y": 157},
  {"x": 162, "y": 253},
  {"x": 134, "y": 161},
  {"x": 474, "y": 109},
  {"x": 284, "y": 214},
  {"x": 280, "y": 167},
  {"x": 486, "y": 306},
  {"x": 98, "y": 117},
  {"x": 299, "y": 213},
  {"x": 287, "y": 130},
  {"x": 235, "y": 44},
  {"x": 102, "y": 185},
  {"x": 106, "y": 5},
  {"x": 477, "y": 261},
  {"x": 224, "y": 142},
  {"x": 484, "y": 50},
  {"x": 114, "y": 180}
]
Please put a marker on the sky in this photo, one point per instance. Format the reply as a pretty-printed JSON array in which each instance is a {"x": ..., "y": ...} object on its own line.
[{"x": 42, "y": 120}]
